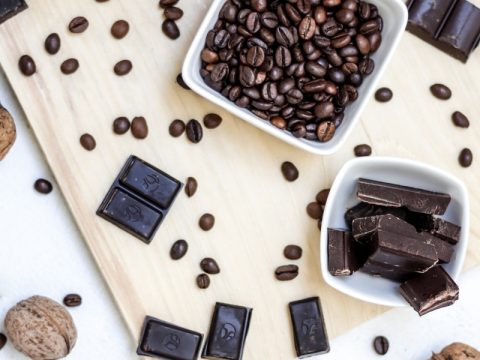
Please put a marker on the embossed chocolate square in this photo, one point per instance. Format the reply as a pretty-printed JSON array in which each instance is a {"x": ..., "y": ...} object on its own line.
[{"x": 139, "y": 199}]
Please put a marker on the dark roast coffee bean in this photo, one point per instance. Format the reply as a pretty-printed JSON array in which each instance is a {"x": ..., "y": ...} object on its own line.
[
  {"x": 383, "y": 94},
  {"x": 173, "y": 13},
  {"x": 52, "y": 44},
  {"x": 219, "y": 72},
  {"x": 27, "y": 65},
  {"x": 363, "y": 44},
  {"x": 322, "y": 196},
  {"x": 139, "y": 127},
  {"x": 294, "y": 96},
  {"x": 315, "y": 210},
  {"x": 194, "y": 131},
  {"x": 203, "y": 281},
  {"x": 355, "y": 79},
  {"x": 278, "y": 122},
  {"x": 181, "y": 82},
  {"x": 253, "y": 22},
  {"x": 167, "y": 3},
  {"x": 364, "y": 11},
  {"x": 315, "y": 69},
  {"x": 255, "y": 56},
  {"x": 176, "y": 128},
  {"x": 465, "y": 158},
  {"x": 284, "y": 36},
  {"x": 269, "y": 91},
  {"x": 121, "y": 125},
  {"x": 330, "y": 28},
  {"x": 336, "y": 75},
  {"x": 460, "y": 120},
  {"x": 286, "y": 272},
  {"x": 170, "y": 29},
  {"x": 375, "y": 41},
  {"x": 315, "y": 86},
  {"x": 88, "y": 142},
  {"x": 331, "y": 3},
  {"x": 69, "y": 66},
  {"x": 366, "y": 66},
  {"x": 307, "y": 28},
  {"x": 209, "y": 266},
  {"x": 292, "y": 252},
  {"x": 369, "y": 27},
  {"x": 292, "y": 13},
  {"x": 380, "y": 345},
  {"x": 3, "y": 340},
  {"x": 289, "y": 171},
  {"x": 259, "y": 5},
  {"x": 362, "y": 150},
  {"x": 120, "y": 29},
  {"x": 43, "y": 186},
  {"x": 78, "y": 25},
  {"x": 283, "y": 57},
  {"x": 304, "y": 6},
  {"x": 344, "y": 16},
  {"x": 441, "y": 91},
  {"x": 212, "y": 121},
  {"x": 206, "y": 222},
  {"x": 320, "y": 15},
  {"x": 123, "y": 67},
  {"x": 269, "y": 20},
  {"x": 72, "y": 300},
  {"x": 325, "y": 131},
  {"x": 324, "y": 110},
  {"x": 191, "y": 186},
  {"x": 178, "y": 249}
]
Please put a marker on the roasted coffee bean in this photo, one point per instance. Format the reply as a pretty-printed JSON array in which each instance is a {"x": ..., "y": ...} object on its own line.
[
  {"x": 279, "y": 122},
  {"x": 203, "y": 281},
  {"x": 292, "y": 13},
  {"x": 173, "y": 13},
  {"x": 259, "y": 5},
  {"x": 286, "y": 272},
  {"x": 375, "y": 41},
  {"x": 460, "y": 120},
  {"x": 322, "y": 196},
  {"x": 3, "y": 340},
  {"x": 320, "y": 15},
  {"x": 78, "y": 25},
  {"x": 325, "y": 131},
  {"x": 383, "y": 94},
  {"x": 255, "y": 56},
  {"x": 69, "y": 66},
  {"x": 369, "y": 27},
  {"x": 362, "y": 150},
  {"x": 336, "y": 75},
  {"x": 366, "y": 66},
  {"x": 269, "y": 20},
  {"x": 363, "y": 44},
  {"x": 242, "y": 102},
  {"x": 441, "y": 91},
  {"x": 304, "y": 6},
  {"x": 307, "y": 28},
  {"x": 324, "y": 110},
  {"x": 380, "y": 345},
  {"x": 349, "y": 68},
  {"x": 194, "y": 131},
  {"x": 170, "y": 29},
  {"x": 123, "y": 67},
  {"x": 72, "y": 300},
  {"x": 167, "y": 3},
  {"x": 88, "y": 142},
  {"x": 27, "y": 65},
  {"x": 315, "y": 69},
  {"x": 253, "y": 22},
  {"x": 283, "y": 57},
  {"x": 181, "y": 82},
  {"x": 209, "y": 266},
  {"x": 246, "y": 76},
  {"x": 292, "y": 252},
  {"x": 191, "y": 186},
  {"x": 121, "y": 125},
  {"x": 178, "y": 249},
  {"x": 52, "y": 43},
  {"x": 299, "y": 131},
  {"x": 294, "y": 96},
  {"x": 120, "y": 29},
  {"x": 269, "y": 91},
  {"x": 176, "y": 128},
  {"x": 284, "y": 36},
  {"x": 465, "y": 158},
  {"x": 330, "y": 28},
  {"x": 206, "y": 222},
  {"x": 344, "y": 16},
  {"x": 212, "y": 121},
  {"x": 315, "y": 210},
  {"x": 219, "y": 72},
  {"x": 340, "y": 40},
  {"x": 43, "y": 186},
  {"x": 139, "y": 127},
  {"x": 315, "y": 86},
  {"x": 364, "y": 10},
  {"x": 289, "y": 171}
]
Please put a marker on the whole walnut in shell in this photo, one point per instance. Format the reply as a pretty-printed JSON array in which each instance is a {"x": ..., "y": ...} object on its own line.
[
  {"x": 41, "y": 328},
  {"x": 457, "y": 351},
  {"x": 8, "y": 132}
]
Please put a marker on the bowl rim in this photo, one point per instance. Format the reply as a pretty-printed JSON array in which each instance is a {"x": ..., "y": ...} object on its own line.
[{"x": 399, "y": 162}]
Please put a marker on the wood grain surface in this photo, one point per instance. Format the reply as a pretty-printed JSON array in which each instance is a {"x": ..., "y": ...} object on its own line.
[{"x": 237, "y": 166}]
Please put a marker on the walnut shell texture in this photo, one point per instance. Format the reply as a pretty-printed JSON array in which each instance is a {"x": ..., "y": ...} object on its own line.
[
  {"x": 8, "y": 132},
  {"x": 457, "y": 351},
  {"x": 41, "y": 328}
]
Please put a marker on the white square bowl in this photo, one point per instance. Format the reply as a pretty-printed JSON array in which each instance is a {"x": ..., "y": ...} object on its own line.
[
  {"x": 397, "y": 171},
  {"x": 395, "y": 15}
]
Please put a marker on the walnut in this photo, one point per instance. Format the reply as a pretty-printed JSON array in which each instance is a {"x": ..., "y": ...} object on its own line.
[
  {"x": 41, "y": 328},
  {"x": 8, "y": 133},
  {"x": 457, "y": 351}
]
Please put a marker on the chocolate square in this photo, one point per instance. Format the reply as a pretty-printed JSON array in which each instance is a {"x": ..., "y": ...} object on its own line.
[{"x": 10, "y": 8}]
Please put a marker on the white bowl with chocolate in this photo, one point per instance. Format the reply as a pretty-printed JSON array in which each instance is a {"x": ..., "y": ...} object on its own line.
[
  {"x": 412, "y": 223},
  {"x": 318, "y": 107}
]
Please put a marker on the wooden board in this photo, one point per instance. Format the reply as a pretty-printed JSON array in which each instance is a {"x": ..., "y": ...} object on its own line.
[{"x": 237, "y": 166}]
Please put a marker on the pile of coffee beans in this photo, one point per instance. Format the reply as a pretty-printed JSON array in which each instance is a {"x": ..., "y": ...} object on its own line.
[
  {"x": 297, "y": 64},
  {"x": 171, "y": 14},
  {"x": 315, "y": 209}
]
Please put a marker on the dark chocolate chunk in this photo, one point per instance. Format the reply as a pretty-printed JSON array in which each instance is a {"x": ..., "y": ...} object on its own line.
[
  {"x": 362, "y": 210},
  {"x": 167, "y": 341},
  {"x": 385, "y": 194},
  {"x": 443, "y": 229},
  {"x": 444, "y": 249},
  {"x": 430, "y": 291},
  {"x": 426, "y": 17},
  {"x": 309, "y": 330},
  {"x": 228, "y": 332},
  {"x": 386, "y": 271},
  {"x": 342, "y": 257},
  {"x": 139, "y": 199},
  {"x": 10, "y": 8}
]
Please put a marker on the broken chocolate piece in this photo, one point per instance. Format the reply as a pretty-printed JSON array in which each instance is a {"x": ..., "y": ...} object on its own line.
[
  {"x": 444, "y": 249},
  {"x": 430, "y": 291},
  {"x": 362, "y": 210},
  {"x": 10, "y": 8},
  {"x": 343, "y": 259},
  {"x": 441, "y": 228},
  {"x": 386, "y": 271}
]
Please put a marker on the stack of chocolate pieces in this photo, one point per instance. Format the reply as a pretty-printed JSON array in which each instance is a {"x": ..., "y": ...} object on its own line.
[{"x": 395, "y": 233}]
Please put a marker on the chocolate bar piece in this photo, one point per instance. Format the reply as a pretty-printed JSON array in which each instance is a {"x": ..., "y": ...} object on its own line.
[
  {"x": 441, "y": 228},
  {"x": 228, "y": 332},
  {"x": 362, "y": 210},
  {"x": 343, "y": 259},
  {"x": 386, "y": 271},
  {"x": 418, "y": 200},
  {"x": 139, "y": 199},
  {"x": 444, "y": 249},
  {"x": 309, "y": 330},
  {"x": 10, "y": 8},
  {"x": 430, "y": 291},
  {"x": 167, "y": 341}
]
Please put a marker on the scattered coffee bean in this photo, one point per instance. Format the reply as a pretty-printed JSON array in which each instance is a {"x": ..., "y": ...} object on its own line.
[
  {"x": 123, "y": 67},
  {"x": 206, "y": 222},
  {"x": 43, "y": 186},
  {"x": 315, "y": 210},
  {"x": 176, "y": 128},
  {"x": 167, "y": 3},
  {"x": 460, "y": 120},
  {"x": 322, "y": 196},
  {"x": 120, "y": 29},
  {"x": 212, "y": 121},
  {"x": 209, "y": 266},
  {"x": 441, "y": 91},
  {"x": 292, "y": 252},
  {"x": 380, "y": 345},
  {"x": 383, "y": 94},
  {"x": 121, "y": 125},
  {"x": 78, "y": 25},
  {"x": 27, "y": 65},
  {"x": 3, "y": 340},
  {"x": 181, "y": 82},
  {"x": 170, "y": 28},
  {"x": 465, "y": 158},
  {"x": 203, "y": 281},
  {"x": 178, "y": 249},
  {"x": 362, "y": 150},
  {"x": 173, "y": 13},
  {"x": 88, "y": 142},
  {"x": 286, "y": 272},
  {"x": 289, "y": 171},
  {"x": 69, "y": 66},
  {"x": 194, "y": 131},
  {"x": 139, "y": 127},
  {"x": 52, "y": 44},
  {"x": 72, "y": 300},
  {"x": 191, "y": 186}
]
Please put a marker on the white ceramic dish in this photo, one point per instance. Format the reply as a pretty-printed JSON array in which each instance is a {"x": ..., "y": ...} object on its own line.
[
  {"x": 398, "y": 171},
  {"x": 395, "y": 17}
]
